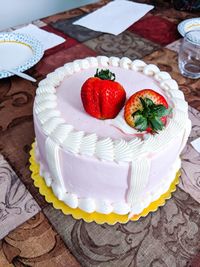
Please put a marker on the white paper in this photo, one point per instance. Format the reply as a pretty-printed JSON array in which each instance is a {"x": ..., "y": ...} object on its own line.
[
  {"x": 47, "y": 39},
  {"x": 114, "y": 17},
  {"x": 196, "y": 144}
]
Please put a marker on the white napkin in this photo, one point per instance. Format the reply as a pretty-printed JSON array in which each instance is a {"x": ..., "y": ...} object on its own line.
[
  {"x": 196, "y": 144},
  {"x": 47, "y": 39},
  {"x": 114, "y": 17}
]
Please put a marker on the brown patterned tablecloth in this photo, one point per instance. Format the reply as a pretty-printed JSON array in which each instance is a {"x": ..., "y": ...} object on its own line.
[{"x": 32, "y": 232}]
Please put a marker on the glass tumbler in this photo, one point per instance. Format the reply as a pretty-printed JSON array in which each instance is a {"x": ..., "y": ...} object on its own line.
[{"x": 189, "y": 55}]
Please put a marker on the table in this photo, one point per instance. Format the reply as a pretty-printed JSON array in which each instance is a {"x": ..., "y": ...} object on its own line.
[{"x": 43, "y": 236}]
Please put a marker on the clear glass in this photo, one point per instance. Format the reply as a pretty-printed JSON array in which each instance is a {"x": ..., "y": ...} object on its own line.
[{"x": 189, "y": 55}]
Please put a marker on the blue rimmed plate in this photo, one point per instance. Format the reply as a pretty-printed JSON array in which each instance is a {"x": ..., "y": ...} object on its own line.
[
  {"x": 189, "y": 25},
  {"x": 19, "y": 52}
]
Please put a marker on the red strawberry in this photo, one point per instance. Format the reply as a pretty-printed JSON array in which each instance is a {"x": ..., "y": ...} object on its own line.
[
  {"x": 102, "y": 96},
  {"x": 146, "y": 110}
]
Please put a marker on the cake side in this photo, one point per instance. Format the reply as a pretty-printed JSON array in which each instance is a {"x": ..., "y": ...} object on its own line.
[
  {"x": 134, "y": 161},
  {"x": 103, "y": 186}
]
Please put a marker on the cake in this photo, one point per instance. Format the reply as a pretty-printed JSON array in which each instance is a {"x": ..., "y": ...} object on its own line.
[{"x": 105, "y": 165}]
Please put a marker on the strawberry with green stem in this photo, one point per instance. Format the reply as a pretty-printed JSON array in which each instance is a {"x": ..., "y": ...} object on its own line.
[
  {"x": 147, "y": 110},
  {"x": 102, "y": 96}
]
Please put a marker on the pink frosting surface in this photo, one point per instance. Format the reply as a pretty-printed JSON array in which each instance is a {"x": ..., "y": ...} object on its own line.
[{"x": 70, "y": 105}]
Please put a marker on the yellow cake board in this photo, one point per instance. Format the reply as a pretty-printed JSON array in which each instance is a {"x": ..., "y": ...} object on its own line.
[{"x": 99, "y": 218}]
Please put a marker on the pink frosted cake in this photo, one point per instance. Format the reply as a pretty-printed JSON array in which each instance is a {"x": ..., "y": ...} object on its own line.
[{"x": 104, "y": 165}]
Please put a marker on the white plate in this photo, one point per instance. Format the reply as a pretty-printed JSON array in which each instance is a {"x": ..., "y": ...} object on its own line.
[
  {"x": 19, "y": 52},
  {"x": 189, "y": 25}
]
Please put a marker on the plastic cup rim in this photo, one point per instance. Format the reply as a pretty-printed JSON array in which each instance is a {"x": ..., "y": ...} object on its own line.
[{"x": 189, "y": 39}]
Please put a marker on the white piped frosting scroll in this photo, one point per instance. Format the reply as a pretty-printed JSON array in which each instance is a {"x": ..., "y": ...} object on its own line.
[
  {"x": 88, "y": 145},
  {"x": 53, "y": 160},
  {"x": 123, "y": 151},
  {"x": 139, "y": 179},
  {"x": 104, "y": 149},
  {"x": 138, "y": 65},
  {"x": 73, "y": 141}
]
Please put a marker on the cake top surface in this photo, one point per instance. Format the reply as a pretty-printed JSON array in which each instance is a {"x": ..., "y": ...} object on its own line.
[{"x": 59, "y": 110}]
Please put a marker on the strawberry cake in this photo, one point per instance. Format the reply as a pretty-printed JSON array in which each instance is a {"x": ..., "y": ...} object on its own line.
[{"x": 115, "y": 149}]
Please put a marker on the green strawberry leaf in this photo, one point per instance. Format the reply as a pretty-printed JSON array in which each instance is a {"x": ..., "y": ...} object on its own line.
[
  {"x": 156, "y": 124},
  {"x": 149, "y": 102},
  {"x": 105, "y": 74},
  {"x": 160, "y": 111},
  {"x": 138, "y": 112},
  {"x": 144, "y": 105},
  {"x": 140, "y": 122}
]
